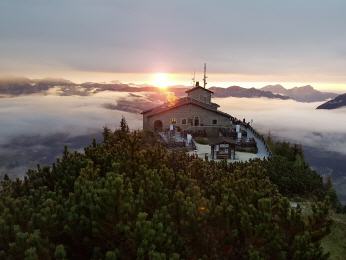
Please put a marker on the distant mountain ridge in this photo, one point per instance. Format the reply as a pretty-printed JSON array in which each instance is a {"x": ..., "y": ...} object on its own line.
[
  {"x": 24, "y": 86},
  {"x": 302, "y": 94},
  {"x": 236, "y": 91},
  {"x": 338, "y": 102}
]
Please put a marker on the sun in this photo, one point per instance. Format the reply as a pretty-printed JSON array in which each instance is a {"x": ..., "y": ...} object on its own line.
[{"x": 161, "y": 80}]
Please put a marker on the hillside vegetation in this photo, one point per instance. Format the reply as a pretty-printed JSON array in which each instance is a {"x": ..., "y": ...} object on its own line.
[
  {"x": 129, "y": 197},
  {"x": 334, "y": 243}
]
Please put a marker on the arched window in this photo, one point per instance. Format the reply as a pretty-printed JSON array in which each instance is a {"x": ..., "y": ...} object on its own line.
[
  {"x": 196, "y": 122},
  {"x": 183, "y": 121},
  {"x": 158, "y": 126}
]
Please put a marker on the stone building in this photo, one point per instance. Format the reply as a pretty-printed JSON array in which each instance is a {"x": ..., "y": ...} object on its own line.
[{"x": 195, "y": 112}]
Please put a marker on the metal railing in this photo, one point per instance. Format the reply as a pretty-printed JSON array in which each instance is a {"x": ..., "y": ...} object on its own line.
[{"x": 254, "y": 132}]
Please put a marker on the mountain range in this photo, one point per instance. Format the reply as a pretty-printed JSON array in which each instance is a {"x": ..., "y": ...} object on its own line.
[
  {"x": 338, "y": 102},
  {"x": 236, "y": 91},
  {"x": 300, "y": 94},
  {"x": 25, "y": 86}
]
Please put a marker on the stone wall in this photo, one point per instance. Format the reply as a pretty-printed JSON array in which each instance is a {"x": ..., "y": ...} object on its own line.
[
  {"x": 188, "y": 112},
  {"x": 201, "y": 95}
]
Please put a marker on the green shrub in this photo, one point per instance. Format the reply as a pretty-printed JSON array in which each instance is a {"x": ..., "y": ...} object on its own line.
[{"x": 128, "y": 197}]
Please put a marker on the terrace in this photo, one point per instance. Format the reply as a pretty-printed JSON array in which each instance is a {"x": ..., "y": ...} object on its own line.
[{"x": 240, "y": 143}]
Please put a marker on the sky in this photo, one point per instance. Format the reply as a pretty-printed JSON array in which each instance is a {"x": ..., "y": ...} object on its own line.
[{"x": 249, "y": 43}]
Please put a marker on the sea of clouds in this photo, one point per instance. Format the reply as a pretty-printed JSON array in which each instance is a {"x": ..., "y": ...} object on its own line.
[
  {"x": 35, "y": 128},
  {"x": 291, "y": 120}
]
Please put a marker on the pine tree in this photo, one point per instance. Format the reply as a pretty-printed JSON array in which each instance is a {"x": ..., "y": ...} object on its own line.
[
  {"x": 129, "y": 197},
  {"x": 123, "y": 125}
]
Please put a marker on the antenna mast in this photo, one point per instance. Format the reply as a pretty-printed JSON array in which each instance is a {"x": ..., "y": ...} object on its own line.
[
  {"x": 205, "y": 75},
  {"x": 194, "y": 79}
]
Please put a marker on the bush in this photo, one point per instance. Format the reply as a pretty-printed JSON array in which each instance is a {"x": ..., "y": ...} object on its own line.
[
  {"x": 201, "y": 140},
  {"x": 129, "y": 197}
]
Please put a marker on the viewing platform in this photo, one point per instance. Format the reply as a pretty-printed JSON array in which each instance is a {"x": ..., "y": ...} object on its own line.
[{"x": 238, "y": 143}]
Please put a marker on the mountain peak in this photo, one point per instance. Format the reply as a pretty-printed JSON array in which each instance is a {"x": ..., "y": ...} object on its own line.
[
  {"x": 306, "y": 88},
  {"x": 302, "y": 94},
  {"x": 277, "y": 88},
  {"x": 237, "y": 91}
]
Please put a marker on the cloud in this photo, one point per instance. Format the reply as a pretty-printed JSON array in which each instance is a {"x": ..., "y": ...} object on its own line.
[
  {"x": 290, "y": 120},
  {"x": 37, "y": 114},
  {"x": 137, "y": 103},
  {"x": 35, "y": 128}
]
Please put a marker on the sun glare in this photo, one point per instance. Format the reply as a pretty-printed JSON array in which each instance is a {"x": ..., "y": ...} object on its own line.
[{"x": 161, "y": 80}]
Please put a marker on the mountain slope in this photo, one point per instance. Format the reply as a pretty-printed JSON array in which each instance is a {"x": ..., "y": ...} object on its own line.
[
  {"x": 338, "y": 102},
  {"x": 301, "y": 94}
]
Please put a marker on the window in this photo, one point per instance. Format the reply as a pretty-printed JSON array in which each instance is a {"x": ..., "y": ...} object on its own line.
[
  {"x": 190, "y": 121},
  {"x": 183, "y": 121},
  {"x": 214, "y": 121},
  {"x": 196, "y": 121},
  {"x": 173, "y": 121}
]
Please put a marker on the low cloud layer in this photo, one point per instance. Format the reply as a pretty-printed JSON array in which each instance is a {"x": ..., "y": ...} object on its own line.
[
  {"x": 134, "y": 103},
  {"x": 321, "y": 132},
  {"x": 35, "y": 128},
  {"x": 290, "y": 120},
  {"x": 38, "y": 114}
]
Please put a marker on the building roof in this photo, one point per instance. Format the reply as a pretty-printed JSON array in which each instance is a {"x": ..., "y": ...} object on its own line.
[
  {"x": 221, "y": 140},
  {"x": 182, "y": 102},
  {"x": 214, "y": 104},
  {"x": 198, "y": 87}
]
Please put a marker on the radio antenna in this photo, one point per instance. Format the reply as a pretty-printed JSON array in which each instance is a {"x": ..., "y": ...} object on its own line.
[
  {"x": 205, "y": 75},
  {"x": 194, "y": 79}
]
